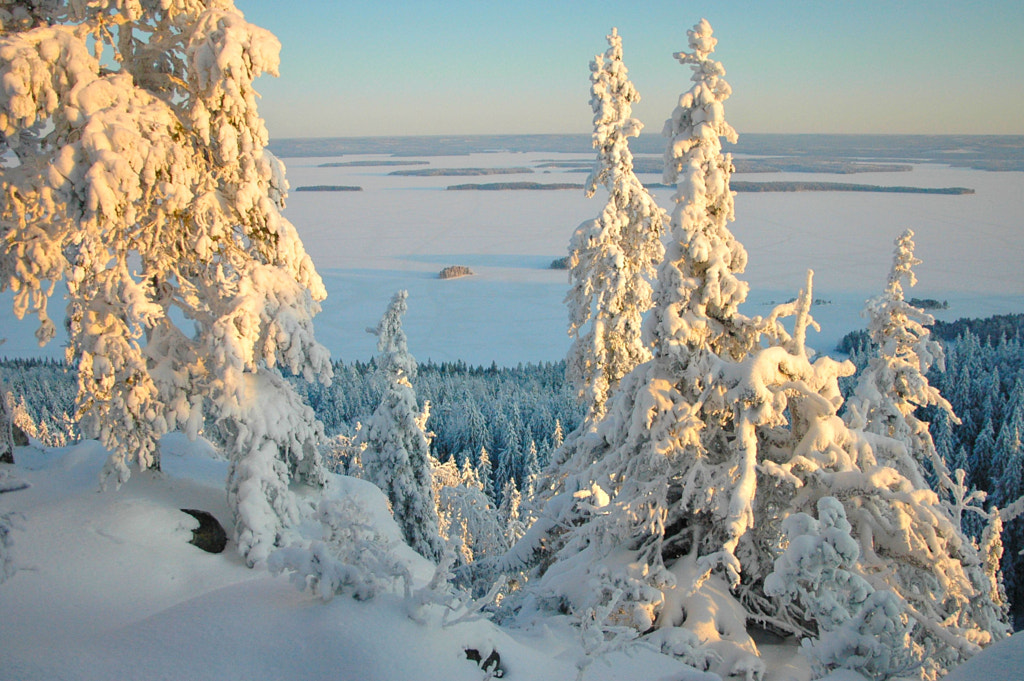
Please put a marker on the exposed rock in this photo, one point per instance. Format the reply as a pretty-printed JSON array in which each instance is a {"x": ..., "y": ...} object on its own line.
[
  {"x": 490, "y": 664},
  {"x": 20, "y": 437},
  {"x": 210, "y": 535}
]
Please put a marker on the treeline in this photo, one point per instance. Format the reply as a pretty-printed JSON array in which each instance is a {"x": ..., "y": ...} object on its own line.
[
  {"x": 515, "y": 413},
  {"x": 508, "y": 411},
  {"x": 460, "y": 172},
  {"x": 795, "y": 186},
  {"x": 503, "y": 410},
  {"x": 510, "y": 186},
  {"x": 328, "y": 188}
]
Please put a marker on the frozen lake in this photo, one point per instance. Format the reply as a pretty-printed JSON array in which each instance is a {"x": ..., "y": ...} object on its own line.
[{"x": 400, "y": 231}]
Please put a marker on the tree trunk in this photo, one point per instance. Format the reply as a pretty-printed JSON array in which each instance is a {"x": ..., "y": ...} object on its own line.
[{"x": 6, "y": 430}]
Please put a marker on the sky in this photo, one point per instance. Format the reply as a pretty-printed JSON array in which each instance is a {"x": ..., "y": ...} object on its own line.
[{"x": 427, "y": 67}]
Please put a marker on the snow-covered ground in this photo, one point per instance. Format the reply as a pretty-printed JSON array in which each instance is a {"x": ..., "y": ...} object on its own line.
[
  {"x": 399, "y": 232},
  {"x": 109, "y": 588}
]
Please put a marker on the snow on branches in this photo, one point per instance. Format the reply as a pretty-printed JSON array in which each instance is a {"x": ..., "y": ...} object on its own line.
[
  {"x": 396, "y": 457},
  {"x": 612, "y": 257},
  {"x": 144, "y": 184},
  {"x": 668, "y": 513}
]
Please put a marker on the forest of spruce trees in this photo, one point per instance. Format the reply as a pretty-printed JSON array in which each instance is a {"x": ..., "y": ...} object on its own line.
[{"x": 519, "y": 414}]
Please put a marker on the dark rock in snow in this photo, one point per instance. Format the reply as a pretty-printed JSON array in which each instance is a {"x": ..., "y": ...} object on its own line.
[
  {"x": 490, "y": 664},
  {"x": 210, "y": 535}
]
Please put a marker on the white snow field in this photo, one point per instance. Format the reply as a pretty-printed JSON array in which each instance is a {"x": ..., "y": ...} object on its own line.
[
  {"x": 399, "y": 232},
  {"x": 109, "y": 588}
]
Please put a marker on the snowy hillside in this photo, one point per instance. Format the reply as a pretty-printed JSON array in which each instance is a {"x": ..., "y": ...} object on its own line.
[
  {"x": 109, "y": 588},
  {"x": 725, "y": 508}
]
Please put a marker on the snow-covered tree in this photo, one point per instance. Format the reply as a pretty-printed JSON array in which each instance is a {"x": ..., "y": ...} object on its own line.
[
  {"x": 396, "y": 457},
  {"x": 668, "y": 514},
  {"x": 7, "y": 562},
  {"x": 894, "y": 384},
  {"x": 485, "y": 470},
  {"x": 509, "y": 513},
  {"x": 889, "y": 391},
  {"x": 612, "y": 258},
  {"x": 136, "y": 172},
  {"x": 467, "y": 519},
  {"x": 669, "y": 471}
]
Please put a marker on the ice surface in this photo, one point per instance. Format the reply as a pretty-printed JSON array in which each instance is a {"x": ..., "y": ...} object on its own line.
[{"x": 399, "y": 232}]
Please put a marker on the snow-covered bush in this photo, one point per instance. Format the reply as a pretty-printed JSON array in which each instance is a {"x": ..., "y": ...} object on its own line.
[
  {"x": 352, "y": 558},
  {"x": 858, "y": 627},
  {"x": 136, "y": 172}
]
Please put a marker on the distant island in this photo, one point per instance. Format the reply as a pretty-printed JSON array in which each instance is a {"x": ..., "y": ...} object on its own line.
[
  {"x": 328, "y": 188},
  {"x": 371, "y": 164},
  {"x": 500, "y": 186},
  {"x": 841, "y": 187},
  {"x": 460, "y": 172},
  {"x": 654, "y": 166},
  {"x": 736, "y": 186},
  {"x": 559, "y": 263},
  {"x": 454, "y": 272}
]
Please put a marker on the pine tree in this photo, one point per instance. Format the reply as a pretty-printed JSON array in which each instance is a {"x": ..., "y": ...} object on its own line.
[
  {"x": 396, "y": 457},
  {"x": 143, "y": 182},
  {"x": 612, "y": 257},
  {"x": 983, "y": 454},
  {"x": 558, "y": 436},
  {"x": 509, "y": 514},
  {"x": 485, "y": 471}
]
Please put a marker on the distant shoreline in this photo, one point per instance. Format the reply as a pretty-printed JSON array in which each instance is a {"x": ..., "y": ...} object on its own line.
[
  {"x": 328, "y": 188},
  {"x": 754, "y": 187},
  {"x": 979, "y": 152}
]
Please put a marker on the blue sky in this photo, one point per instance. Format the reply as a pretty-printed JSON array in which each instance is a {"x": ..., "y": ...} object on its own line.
[{"x": 422, "y": 67}]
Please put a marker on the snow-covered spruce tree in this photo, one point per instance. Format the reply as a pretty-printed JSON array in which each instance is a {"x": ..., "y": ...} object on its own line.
[
  {"x": 137, "y": 173},
  {"x": 396, "y": 457},
  {"x": 859, "y": 627},
  {"x": 670, "y": 511},
  {"x": 666, "y": 476},
  {"x": 612, "y": 257},
  {"x": 894, "y": 383},
  {"x": 467, "y": 519},
  {"x": 888, "y": 393}
]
